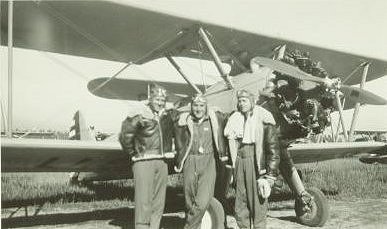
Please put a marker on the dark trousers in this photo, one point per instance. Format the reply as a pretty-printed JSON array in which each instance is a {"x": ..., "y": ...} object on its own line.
[
  {"x": 151, "y": 178},
  {"x": 199, "y": 183},
  {"x": 250, "y": 208}
]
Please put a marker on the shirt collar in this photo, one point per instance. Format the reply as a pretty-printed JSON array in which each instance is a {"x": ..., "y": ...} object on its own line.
[
  {"x": 205, "y": 118},
  {"x": 156, "y": 114}
]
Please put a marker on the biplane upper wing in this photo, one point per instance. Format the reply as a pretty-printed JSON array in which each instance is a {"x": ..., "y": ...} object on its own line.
[
  {"x": 313, "y": 152},
  {"x": 119, "y": 31}
]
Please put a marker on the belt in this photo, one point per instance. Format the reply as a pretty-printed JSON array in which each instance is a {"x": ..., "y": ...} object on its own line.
[
  {"x": 153, "y": 151},
  {"x": 246, "y": 150},
  {"x": 197, "y": 153}
]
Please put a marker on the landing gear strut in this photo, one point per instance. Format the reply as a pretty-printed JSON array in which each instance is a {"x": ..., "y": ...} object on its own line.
[{"x": 311, "y": 206}]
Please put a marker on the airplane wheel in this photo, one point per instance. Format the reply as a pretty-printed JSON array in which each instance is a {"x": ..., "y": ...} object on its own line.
[
  {"x": 214, "y": 216},
  {"x": 316, "y": 212}
]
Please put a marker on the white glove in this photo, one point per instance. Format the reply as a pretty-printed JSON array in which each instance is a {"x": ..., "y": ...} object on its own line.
[
  {"x": 230, "y": 170},
  {"x": 264, "y": 188},
  {"x": 169, "y": 155}
]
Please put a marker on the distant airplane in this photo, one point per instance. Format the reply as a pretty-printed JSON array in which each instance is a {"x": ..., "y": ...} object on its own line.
[
  {"x": 375, "y": 158},
  {"x": 100, "y": 29}
]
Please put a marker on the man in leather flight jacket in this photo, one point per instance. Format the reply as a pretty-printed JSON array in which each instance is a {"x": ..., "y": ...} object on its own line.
[
  {"x": 147, "y": 137},
  {"x": 255, "y": 153}
]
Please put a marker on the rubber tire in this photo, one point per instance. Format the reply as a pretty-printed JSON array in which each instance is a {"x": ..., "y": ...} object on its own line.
[
  {"x": 216, "y": 212},
  {"x": 319, "y": 209}
]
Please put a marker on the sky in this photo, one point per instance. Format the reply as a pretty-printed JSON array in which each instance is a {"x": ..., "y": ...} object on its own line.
[{"x": 50, "y": 87}]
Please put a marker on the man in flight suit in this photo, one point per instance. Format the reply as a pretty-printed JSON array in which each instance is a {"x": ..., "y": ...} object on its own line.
[{"x": 200, "y": 142}]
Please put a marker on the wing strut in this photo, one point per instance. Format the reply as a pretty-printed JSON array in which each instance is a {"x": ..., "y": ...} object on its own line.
[
  {"x": 216, "y": 58},
  {"x": 147, "y": 57},
  {"x": 357, "y": 106},
  {"x": 178, "y": 69},
  {"x": 338, "y": 123},
  {"x": 340, "y": 108},
  {"x": 280, "y": 52},
  {"x": 10, "y": 65}
]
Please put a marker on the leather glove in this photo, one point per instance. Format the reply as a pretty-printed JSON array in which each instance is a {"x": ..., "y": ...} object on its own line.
[{"x": 264, "y": 188}]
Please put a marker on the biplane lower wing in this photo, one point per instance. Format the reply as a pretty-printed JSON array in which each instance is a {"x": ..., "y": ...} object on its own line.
[
  {"x": 313, "y": 152},
  {"x": 37, "y": 155}
]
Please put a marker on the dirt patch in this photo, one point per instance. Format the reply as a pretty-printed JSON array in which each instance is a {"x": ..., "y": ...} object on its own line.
[{"x": 343, "y": 214}]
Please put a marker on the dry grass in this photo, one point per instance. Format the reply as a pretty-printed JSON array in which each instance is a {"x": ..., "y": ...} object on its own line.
[
  {"x": 338, "y": 179},
  {"x": 347, "y": 178},
  {"x": 19, "y": 189}
]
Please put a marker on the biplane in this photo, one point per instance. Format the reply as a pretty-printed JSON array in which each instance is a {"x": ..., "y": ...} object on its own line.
[{"x": 125, "y": 32}]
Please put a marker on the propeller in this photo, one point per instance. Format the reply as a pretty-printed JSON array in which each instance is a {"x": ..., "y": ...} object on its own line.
[
  {"x": 352, "y": 93},
  {"x": 362, "y": 96}
]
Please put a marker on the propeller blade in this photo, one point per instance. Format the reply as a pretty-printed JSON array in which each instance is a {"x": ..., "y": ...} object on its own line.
[
  {"x": 354, "y": 94},
  {"x": 287, "y": 69},
  {"x": 359, "y": 95}
]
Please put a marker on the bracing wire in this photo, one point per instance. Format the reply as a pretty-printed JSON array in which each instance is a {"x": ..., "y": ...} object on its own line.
[
  {"x": 100, "y": 44},
  {"x": 64, "y": 65},
  {"x": 72, "y": 70},
  {"x": 223, "y": 49},
  {"x": 200, "y": 48},
  {"x": 80, "y": 30},
  {"x": 352, "y": 73}
]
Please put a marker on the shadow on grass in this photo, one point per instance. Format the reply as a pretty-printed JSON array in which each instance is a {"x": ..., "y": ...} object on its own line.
[
  {"x": 101, "y": 191},
  {"x": 287, "y": 218},
  {"x": 281, "y": 196},
  {"x": 69, "y": 197},
  {"x": 121, "y": 217},
  {"x": 109, "y": 191},
  {"x": 167, "y": 222},
  {"x": 330, "y": 192}
]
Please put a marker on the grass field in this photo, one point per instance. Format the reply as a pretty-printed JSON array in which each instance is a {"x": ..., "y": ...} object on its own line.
[
  {"x": 347, "y": 178},
  {"x": 339, "y": 179}
]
